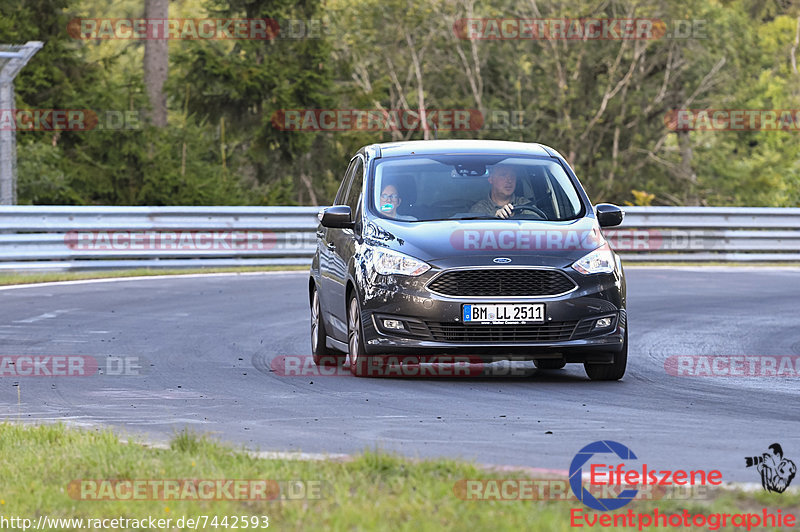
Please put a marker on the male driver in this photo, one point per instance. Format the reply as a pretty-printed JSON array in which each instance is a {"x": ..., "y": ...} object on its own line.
[{"x": 501, "y": 199}]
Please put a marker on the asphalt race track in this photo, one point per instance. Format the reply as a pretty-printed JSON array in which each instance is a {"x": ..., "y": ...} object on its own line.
[{"x": 209, "y": 345}]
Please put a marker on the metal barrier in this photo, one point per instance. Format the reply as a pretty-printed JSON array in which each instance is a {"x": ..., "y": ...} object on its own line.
[
  {"x": 91, "y": 238},
  {"x": 724, "y": 234}
]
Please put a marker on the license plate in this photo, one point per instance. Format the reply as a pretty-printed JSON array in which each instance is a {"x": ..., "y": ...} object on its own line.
[{"x": 516, "y": 313}]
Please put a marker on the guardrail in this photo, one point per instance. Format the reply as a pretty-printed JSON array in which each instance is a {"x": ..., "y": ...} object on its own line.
[
  {"x": 725, "y": 234},
  {"x": 61, "y": 238}
]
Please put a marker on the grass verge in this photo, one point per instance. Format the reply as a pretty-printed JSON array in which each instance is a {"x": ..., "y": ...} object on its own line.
[
  {"x": 374, "y": 491},
  {"x": 29, "y": 278}
]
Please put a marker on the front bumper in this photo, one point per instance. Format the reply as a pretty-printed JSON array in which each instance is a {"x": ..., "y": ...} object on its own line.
[{"x": 433, "y": 323}]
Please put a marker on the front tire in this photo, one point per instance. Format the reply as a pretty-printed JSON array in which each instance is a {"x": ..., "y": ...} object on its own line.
[
  {"x": 320, "y": 353},
  {"x": 359, "y": 361},
  {"x": 613, "y": 371}
]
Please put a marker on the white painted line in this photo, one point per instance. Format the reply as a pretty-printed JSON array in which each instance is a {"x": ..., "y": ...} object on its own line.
[
  {"x": 267, "y": 455},
  {"x": 47, "y": 315},
  {"x": 149, "y": 277},
  {"x": 309, "y": 457}
]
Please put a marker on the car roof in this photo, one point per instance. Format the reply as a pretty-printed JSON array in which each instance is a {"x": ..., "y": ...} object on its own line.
[{"x": 454, "y": 146}]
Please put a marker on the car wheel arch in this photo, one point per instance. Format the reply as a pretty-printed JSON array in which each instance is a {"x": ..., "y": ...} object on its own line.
[
  {"x": 312, "y": 285},
  {"x": 350, "y": 289}
]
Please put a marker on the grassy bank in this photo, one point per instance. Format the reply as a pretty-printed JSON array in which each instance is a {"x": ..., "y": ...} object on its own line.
[{"x": 374, "y": 491}]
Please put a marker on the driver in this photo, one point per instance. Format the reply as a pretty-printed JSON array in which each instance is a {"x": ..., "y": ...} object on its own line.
[
  {"x": 390, "y": 200},
  {"x": 501, "y": 200}
]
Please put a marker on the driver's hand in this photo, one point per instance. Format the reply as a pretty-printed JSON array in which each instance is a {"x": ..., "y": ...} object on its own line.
[{"x": 505, "y": 211}]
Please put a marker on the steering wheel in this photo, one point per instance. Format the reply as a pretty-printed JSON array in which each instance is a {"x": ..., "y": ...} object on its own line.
[{"x": 530, "y": 208}]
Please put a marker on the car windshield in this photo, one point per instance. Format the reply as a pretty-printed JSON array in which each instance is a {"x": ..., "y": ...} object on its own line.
[{"x": 459, "y": 187}]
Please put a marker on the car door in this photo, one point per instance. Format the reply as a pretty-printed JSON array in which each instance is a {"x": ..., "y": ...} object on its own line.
[
  {"x": 342, "y": 247},
  {"x": 332, "y": 271}
]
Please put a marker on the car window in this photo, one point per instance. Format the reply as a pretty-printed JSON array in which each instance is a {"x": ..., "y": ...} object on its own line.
[
  {"x": 342, "y": 193},
  {"x": 461, "y": 187},
  {"x": 356, "y": 187}
]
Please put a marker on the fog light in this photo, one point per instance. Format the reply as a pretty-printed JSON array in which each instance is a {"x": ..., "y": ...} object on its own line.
[
  {"x": 393, "y": 324},
  {"x": 602, "y": 323}
]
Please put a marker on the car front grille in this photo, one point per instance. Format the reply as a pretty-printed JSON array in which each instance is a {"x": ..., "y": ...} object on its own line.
[
  {"x": 498, "y": 282},
  {"x": 460, "y": 333}
]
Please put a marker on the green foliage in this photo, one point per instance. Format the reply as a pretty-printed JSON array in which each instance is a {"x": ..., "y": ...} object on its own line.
[
  {"x": 41, "y": 179},
  {"x": 245, "y": 83},
  {"x": 758, "y": 168}
]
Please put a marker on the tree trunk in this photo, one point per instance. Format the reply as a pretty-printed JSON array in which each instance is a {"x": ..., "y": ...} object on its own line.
[
  {"x": 687, "y": 171},
  {"x": 156, "y": 60}
]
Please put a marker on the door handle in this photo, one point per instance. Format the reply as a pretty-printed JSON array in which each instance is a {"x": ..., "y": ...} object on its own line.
[
  {"x": 330, "y": 245},
  {"x": 320, "y": 234}
]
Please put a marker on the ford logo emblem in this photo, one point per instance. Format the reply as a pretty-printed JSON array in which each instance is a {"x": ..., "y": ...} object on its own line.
[{"x": 502, "y": 260}]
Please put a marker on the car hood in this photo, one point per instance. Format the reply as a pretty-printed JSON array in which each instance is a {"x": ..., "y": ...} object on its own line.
[{"x": 451, "y": 243}]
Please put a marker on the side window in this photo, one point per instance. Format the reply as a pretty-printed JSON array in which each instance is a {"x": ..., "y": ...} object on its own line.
[
  {"x": 354, "y": 194},
  {"x": 340, "y": 196}
]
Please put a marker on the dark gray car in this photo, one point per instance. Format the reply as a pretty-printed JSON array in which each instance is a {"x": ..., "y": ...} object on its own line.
[{"x": 486, "y": 248}]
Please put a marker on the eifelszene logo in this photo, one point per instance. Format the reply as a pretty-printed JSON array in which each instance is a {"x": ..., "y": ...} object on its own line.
[
  {"x": 621, "y": 476},
  {"x": 576, "y": 475},
  {"x": 776, "y": 471}
]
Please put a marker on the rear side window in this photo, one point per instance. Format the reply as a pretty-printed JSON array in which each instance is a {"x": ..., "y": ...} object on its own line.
[
  {"x": 354, "y": 194},
  {"x": 342, "y": 193}
]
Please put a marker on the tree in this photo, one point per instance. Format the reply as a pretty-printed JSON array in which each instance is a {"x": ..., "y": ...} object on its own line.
[
  {"x": 242, "y": 84},
  {"x": 156, "y": 63}
]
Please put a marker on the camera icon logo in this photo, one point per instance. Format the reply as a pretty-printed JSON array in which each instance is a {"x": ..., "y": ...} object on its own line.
[{"x": 776, "y": 471}]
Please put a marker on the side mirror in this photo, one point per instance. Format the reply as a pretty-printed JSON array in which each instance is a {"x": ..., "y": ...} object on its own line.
[
  {"x": 337, "y": 217},
  {"x": 609, "y": 215}
]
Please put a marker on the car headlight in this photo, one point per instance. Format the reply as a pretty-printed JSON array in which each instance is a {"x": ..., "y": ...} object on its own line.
[
  {"x": 601, "y": 260},
  {"x": 388, "y": 262}
]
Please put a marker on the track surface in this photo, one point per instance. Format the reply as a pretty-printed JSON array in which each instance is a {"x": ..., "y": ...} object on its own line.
[{"x": 210, "y": 343}]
